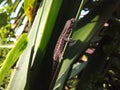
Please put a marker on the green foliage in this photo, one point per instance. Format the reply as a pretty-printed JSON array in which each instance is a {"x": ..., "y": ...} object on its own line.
[
  {"x": 39, "y": 36},
  {"x": 89, "y": 62},
  {"x": 7, "y": 31},
  {"x": 13, "y": 55},
  {"x": 3, "y": 21}
]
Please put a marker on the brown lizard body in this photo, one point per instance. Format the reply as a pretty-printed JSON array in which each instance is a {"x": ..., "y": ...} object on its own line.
[
  {"x": 62, "y": 40},
  {"x": 64, "y": 37}
]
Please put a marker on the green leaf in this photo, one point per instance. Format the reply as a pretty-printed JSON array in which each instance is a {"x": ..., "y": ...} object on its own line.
[
  {"x": 13, "y": 56},
  {"x": 47, "y": 23}
]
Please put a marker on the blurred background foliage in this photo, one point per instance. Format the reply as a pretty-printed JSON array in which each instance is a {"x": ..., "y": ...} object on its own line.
[
  {"x": 105, "y": 45},
  {"x": 11, "y": 15}
]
